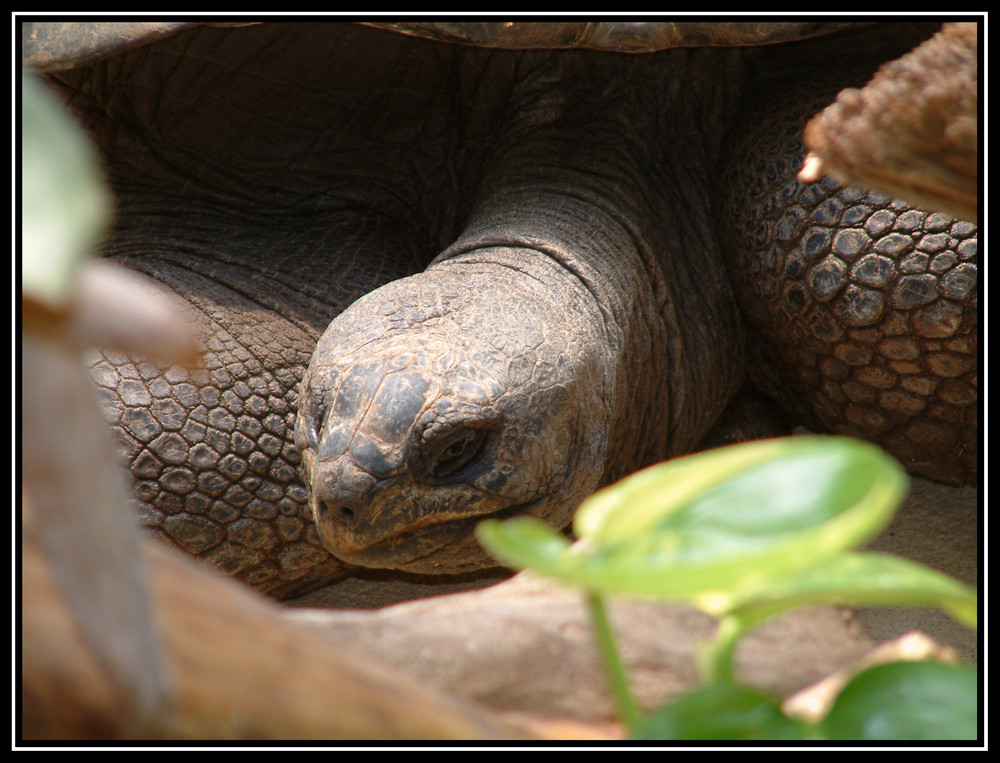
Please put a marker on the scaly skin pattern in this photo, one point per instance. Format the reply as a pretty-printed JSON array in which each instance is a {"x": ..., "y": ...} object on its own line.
[
  {"x": 554, "y": 310},
  {"x": 866, "y": 309}
]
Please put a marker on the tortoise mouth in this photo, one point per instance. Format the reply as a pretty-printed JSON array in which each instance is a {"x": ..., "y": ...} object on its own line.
[{"x": 439, "y": 548}]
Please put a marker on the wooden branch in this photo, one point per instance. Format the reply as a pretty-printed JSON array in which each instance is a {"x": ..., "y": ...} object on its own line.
[{"x": 236, "y": 670}]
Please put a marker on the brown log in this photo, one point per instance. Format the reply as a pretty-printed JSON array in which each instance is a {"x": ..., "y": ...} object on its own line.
[
  {"x": 912, "y": 132},
  {"x": 236, "y": 670},
  {"x": 527, "y": 645}
]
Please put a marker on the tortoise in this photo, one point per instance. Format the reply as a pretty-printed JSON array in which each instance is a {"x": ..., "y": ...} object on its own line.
[{"x": 436, "y": 282}]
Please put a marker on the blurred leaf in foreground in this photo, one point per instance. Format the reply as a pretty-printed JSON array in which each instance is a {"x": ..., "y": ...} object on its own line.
[{"x": 64, "y": 205}]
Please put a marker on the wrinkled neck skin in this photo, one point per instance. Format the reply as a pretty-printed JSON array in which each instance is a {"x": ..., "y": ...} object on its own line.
[{"x": 578, "y": 329}]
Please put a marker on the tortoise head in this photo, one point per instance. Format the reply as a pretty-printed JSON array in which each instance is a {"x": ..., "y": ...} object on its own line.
[{"x": 441, "y": 399}]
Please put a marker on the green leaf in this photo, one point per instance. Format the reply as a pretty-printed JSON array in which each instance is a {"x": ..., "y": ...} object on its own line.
[
  {"x": 525, "y": 542},
  {"x": 638, "y": 502},
  {"x": 861, "y": 579},
  {"x": 721, "y": 712},
  {"x": 907, "y": 701},
  {"x": 703, "y": 526},
  {"x": 65, "y": 207}
]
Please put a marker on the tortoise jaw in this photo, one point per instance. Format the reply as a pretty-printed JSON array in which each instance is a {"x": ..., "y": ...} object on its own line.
[{"x": 445, "y": 547}]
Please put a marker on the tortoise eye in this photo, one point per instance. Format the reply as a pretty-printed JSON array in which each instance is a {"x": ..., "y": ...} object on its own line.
[{"x": 456, "y": 451}]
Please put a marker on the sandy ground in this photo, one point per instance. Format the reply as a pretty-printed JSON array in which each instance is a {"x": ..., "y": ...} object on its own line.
[{"x": 940, "y": 527}]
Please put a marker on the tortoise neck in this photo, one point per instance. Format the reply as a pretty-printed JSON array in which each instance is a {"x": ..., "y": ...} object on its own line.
[{"x": 584, "y": 178}]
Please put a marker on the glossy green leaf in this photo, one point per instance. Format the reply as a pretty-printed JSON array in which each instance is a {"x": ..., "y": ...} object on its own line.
[
  {"x": 65, "y": 207},
  {"x": 861, "y": 579},
  {"x": 640, "y": 501},
  {"x": 742, "y": 516},
  {"x": 907, "y": 701},
  {"x": 721, "y": 712}
]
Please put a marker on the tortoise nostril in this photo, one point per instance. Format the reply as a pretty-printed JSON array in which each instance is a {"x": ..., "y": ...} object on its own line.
[{"x": 332, "y": 512}]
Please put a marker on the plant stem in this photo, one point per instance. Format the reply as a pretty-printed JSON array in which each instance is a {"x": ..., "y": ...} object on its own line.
[
  {"x": 628, "y": 710},
  {"x": 717, "y": 661}
]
